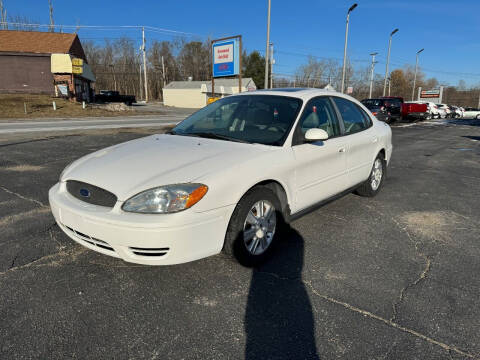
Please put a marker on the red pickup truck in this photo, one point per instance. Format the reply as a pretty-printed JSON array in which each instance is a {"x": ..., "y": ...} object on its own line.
[{"x": 410, "y": 110}]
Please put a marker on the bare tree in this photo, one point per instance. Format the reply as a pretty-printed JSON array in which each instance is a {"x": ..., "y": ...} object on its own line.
[
  {"x": 23, "y": 23},
  {"x": 51, "y": 28},
  {"x": 3, "y": 16}
]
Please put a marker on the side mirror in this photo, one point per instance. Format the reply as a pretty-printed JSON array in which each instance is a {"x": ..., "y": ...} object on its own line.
[{"x": 316, "y": 134}]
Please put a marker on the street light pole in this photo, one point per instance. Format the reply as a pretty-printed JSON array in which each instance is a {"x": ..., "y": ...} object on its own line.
[
  {"x": 272, "y": 62},
  {"x": 345, "y": 47},
  {"x": 415, "y": 77},
  {"x": 268, "y": 45},
  {"x": 388, "y": 61},
  {"x": 371, "y": 75},
  {"x": 145, "y": 81}
]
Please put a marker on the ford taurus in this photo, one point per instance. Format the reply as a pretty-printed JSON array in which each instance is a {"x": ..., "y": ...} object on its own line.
[{"x": 227, "y": 178}]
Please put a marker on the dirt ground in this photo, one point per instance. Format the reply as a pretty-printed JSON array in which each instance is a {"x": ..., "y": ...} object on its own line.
[{"x": 26, "y": 106}]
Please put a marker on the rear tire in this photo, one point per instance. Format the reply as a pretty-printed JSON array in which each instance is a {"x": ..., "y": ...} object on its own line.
[
  {"x": 254, "y": 227},
  {"x": 373, "y": 184}
]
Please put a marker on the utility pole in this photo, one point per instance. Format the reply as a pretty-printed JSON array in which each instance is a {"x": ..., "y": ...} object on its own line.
[
  {"x": 268, "y": 45},
  {"x": 51, "y": 28},
  {"x": 478, "y": 101},
  {"x": 272, "y": 62},
  {"x": 415, "y": 77},
  {"x": 372, "y": 71},
  {"x": 140, "y": 73},
  {"x": 388, "y": 60},
  {"x": 345, "y": 47},
  {"x": 389, "y": 85},
  {"x": 145, "y": 81},
  {"x": 163, "y": 73}
]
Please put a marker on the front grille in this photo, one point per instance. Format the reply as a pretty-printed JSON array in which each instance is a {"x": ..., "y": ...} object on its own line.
[
  {"x": 91, "y": 240},
  {"x": 149, "y": 251},
  {"x": 91, "y": 193}
]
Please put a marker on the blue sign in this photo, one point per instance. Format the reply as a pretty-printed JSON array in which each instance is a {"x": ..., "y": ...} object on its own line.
[{"x": 226, "y": 56}]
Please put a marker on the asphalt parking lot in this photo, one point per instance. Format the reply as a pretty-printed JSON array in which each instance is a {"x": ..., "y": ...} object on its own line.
[{"x": 393, "y": 277}]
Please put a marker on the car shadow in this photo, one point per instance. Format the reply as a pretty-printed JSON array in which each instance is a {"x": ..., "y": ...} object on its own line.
[
  {"x": 472, "y": 137},
  {"x": 279, "y": 322}
]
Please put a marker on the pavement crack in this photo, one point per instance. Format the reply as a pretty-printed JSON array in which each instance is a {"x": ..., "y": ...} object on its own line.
[
  {"x": 368, "y": 314},
  {"x": 422, "y": 276},
  {"x": 52, "y": 260},
  {"x": 23, "y": 197},
  {"x": 12, "y": 265}
]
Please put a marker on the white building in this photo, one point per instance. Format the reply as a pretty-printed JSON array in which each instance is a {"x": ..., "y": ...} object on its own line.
[{"x": 194, "y": 94}]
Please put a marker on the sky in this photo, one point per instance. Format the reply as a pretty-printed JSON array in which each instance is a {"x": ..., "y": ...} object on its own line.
[{"x": 448, "y": 30}]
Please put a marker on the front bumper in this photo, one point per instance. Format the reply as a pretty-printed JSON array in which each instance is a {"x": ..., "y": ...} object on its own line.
[{"x": 162, "y": 239}]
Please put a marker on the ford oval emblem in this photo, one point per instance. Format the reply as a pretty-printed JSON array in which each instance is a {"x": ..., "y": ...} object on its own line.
[{"x": 85, "y": 193}]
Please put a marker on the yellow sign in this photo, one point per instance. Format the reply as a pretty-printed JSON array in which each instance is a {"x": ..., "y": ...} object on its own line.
[
  {"x": 77, "y": 70},
  {"x": 211, "y": 100},
  {"x": 77, "y": 62}
]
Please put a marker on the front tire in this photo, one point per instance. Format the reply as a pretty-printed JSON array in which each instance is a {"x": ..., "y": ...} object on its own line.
[
  {"x": 254, "y": 227},
  {"x": 373, "y": 184}
]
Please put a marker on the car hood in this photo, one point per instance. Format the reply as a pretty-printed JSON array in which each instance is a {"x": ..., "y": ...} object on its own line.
[{"x": 129, "y": 168}]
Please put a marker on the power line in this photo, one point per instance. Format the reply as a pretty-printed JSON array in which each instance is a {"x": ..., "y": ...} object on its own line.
[{"x": 104, "y": 27}]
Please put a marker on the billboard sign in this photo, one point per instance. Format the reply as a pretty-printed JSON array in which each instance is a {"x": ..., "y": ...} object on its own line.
[
  {"x": 434, "y": 95},
  {"x": 430, "y": 94},
  {"x": 226, "y": 57}
]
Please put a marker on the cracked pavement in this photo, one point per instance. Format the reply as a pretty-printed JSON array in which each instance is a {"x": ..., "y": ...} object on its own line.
[{"x": 394, "y": 277}]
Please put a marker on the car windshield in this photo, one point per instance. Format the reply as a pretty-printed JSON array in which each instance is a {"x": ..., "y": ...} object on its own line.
[
  {"x": 263, "y": 119},
  {"x": 373, "y": 103}
]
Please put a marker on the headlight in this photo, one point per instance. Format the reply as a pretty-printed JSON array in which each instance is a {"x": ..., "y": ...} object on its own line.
[{"x": 166, "y": 199}]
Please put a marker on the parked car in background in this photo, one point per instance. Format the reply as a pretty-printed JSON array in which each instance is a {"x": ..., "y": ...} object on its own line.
[
  {"x": 378, "y": 109},
  {"x": 415, "y": 110},
  {"x": 444, "y": 111},
  {"x": 432, "y": 109},
  {"x": 110, "y": 96},
  {"x": 471, "y": 113},
  {"x": 394, "y": 106},
  {"x": 226, "y": 178},
  {"x": 456, "y": 112}
]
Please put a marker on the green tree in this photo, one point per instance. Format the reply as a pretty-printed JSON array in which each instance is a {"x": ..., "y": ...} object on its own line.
[{"x": 253, "y": 66}]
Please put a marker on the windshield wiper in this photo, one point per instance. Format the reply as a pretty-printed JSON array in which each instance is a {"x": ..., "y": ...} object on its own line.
[{"x": 215, "y": 136}]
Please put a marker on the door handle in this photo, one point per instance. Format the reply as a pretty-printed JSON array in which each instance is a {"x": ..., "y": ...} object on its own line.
[{"x": 341, "y": 150}]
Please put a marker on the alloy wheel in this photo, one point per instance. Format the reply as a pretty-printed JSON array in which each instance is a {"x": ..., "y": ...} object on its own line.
[
  {"x": 259, "y": 227},
  {"x": 377, "y": 173}
]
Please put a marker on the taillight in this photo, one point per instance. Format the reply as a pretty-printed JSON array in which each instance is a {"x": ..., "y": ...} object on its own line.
[{"x": 374, "y": 113}]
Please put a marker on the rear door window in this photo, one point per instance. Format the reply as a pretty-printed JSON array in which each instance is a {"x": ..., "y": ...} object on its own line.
[{"x": 353, "y": 119}]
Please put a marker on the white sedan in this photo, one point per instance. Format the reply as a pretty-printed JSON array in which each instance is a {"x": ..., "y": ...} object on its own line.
[
  {"x": 471, "y": 113},
  {"x": 226, "y": 178}
]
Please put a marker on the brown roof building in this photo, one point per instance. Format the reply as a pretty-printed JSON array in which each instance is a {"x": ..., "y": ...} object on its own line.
[{"x": 41, "y": 62}]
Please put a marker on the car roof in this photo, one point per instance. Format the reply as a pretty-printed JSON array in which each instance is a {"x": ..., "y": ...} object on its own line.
[{"x": 301, "y": 93}]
